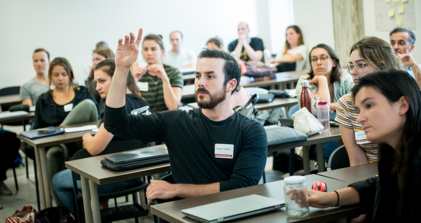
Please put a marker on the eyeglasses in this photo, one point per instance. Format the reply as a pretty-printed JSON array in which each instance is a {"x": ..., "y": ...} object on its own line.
[
  {"x": 322, "y": 59},
  {"x": 400, "y": 42},
  {"x": 359, "y": 68}
]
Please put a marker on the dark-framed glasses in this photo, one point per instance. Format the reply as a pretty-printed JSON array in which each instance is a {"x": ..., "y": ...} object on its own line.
[
  {"x": 322, "y": 59},
  {"x": 399, "y": 42},
  {"x": 359, "y": 67}
]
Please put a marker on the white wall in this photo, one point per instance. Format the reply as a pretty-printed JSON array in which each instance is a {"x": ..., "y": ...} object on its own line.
[
  {"x": 315, "y": 20},
  {"x": 280, "y": 17},
  {"x": 370, "y": 26},
  {"x": 71, "y": 29}
]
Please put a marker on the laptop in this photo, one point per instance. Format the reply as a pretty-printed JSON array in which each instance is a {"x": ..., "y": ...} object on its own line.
[
  {"x": 233, "y": 209},
  {"x": 138, "y": 155}
]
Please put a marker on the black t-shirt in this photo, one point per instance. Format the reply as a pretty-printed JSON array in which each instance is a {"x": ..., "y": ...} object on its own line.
[
  {"x": 191, "y": 137},
  {"x": 49, "y": 113},
  {"x": 256, "y": 44}
]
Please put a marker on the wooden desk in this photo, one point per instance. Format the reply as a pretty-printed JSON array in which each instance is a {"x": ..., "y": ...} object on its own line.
[
  {"x": 93, "y": 174},
  {"x": 9, "y": 99},
  {"x": 30, "y": 116},
  {"x": 318, "y": 139},
  {"x": 171, "y": 211},
  {"x": 353, "y": 174},
  {"x": 276, "y": 103},
  {"x": 41, "y": 160},
  {"x": 281, "y": 79}
]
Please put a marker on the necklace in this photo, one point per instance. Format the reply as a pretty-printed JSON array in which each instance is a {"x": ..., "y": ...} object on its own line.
[{"x": 156, "y": 82}]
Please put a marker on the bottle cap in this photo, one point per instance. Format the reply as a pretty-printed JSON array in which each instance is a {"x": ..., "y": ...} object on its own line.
[
  {"x": 321, "y": 102},
  {"x": 294, "y": 179},
  {"x": 304, "y": 83}
]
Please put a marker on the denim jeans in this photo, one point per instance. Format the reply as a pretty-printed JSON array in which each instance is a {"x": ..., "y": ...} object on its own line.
[{"x": 63, "y": 185}]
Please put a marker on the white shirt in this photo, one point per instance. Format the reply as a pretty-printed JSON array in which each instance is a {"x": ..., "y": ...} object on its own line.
[
  {"x": 184, "y": 58},
  {"x": 300, "y": 64}
]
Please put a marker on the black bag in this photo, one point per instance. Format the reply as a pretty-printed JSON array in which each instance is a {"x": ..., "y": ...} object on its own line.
[
  {"x": 251, "y": 112},
  {"x": 19, "y": 108},
  {"x": 265, "y": 98},
  {"x": 134, "y": 165},
  {"x": 279, "y": 93}
]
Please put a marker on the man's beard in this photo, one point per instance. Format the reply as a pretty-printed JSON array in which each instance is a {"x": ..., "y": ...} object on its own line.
[{"x": 214, "y": 100}]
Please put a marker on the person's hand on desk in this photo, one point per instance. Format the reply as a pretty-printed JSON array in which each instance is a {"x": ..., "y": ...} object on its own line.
[{"x": 160, "y": 189}]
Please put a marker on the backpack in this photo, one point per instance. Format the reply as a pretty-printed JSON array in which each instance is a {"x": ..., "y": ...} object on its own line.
[{"x": 55, "y": 214}]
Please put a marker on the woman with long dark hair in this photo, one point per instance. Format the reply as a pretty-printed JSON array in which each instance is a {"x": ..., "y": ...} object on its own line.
[{"x": 395, "y": 194}]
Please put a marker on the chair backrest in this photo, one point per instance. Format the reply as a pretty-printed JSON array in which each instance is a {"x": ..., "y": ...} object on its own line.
[
  {"x": 9, "y": 90},
  {"x": 338, "y": 159},
  {"x": 266, "y": 55},
  {"x": 293, "y": 109}
]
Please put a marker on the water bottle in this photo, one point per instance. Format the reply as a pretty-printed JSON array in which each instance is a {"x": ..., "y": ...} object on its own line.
[
  {"x": 305, "y": 97},
  {"x": 323, "y": 114},
  {"x": 295, "y": 186}
]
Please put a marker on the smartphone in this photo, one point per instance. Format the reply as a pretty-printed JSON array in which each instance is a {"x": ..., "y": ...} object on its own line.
[{"x": 46, "y": 130}]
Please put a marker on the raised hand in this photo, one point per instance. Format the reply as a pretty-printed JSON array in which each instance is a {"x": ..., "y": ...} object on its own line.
[{"x": 128, "y": 50}]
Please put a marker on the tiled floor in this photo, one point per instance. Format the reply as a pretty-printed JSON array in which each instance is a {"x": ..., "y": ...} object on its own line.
[{"x": 27, "y": 194}]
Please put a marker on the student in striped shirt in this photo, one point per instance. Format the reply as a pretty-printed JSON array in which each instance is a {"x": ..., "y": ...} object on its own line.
[
  {"x": 161, "y": 85},
  {"x": 367, "y": 55}
]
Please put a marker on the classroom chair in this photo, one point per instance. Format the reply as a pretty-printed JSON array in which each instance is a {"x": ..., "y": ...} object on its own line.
[{"x": 338, "y": 159}]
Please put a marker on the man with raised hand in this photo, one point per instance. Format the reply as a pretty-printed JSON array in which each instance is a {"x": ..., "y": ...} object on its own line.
[
  {"x": 211, "y": 148},
  {"x": 403, "y": 42}
]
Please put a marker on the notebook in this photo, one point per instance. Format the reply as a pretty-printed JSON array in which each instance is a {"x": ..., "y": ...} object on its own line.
[
  {"x": 233, "y": 208},
  {"x": 33, "y": 134},
  {"x": 138, "y": 155}
]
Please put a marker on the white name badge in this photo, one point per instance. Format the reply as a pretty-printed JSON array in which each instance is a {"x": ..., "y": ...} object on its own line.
[
  {"x": 143, "y": 86},
  {"x": 224, "y": 151},
  {"x": 68, "y": 107},
  {"x": 361, "y": 138}
]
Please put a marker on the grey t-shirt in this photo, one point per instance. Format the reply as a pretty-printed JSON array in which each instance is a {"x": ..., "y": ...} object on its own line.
[{"x": 32, "y": 89}]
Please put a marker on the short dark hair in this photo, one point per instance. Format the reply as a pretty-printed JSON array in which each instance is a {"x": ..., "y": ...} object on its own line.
[
  {"x": 231, "y": 68},
  {"x": 42, "y": 50},
  {"x": 102, "y": 43},
  {"x": 181, "y": 34},
  {"x": 216, "y": 40},
  {"x": 401, "y": 30},
  {"x": 156, "y": 38}
]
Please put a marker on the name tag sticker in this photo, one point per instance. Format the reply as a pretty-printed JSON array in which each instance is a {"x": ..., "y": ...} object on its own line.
[
  {"x": 225, "y": 151},
  {"x": 361, "y": 138},
  {"x": 68, "y": 107},
  {"x": 143, "y": 86}
]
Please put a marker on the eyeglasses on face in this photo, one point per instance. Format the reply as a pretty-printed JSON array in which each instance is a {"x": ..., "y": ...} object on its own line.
[
  {"x": 322, "y": 59},
  {"x": 359, "y": 67},
  {"x": 399, "y": 42}
]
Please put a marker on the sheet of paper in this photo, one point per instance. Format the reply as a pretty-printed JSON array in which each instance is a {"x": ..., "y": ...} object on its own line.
[
  {"x": 397, "y": 1},
  {"x": 80, "y": 129},
  {"x": 399, "y": 21},
  {"x": 401, "y": 9},
  {"x": 404, "y": 0},
  {"x": 391, "y": 12},
  {"x": 387, "y": 1}
]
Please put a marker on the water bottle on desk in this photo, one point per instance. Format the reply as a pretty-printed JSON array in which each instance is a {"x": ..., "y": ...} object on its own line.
[{"x": 323, "y": 114}]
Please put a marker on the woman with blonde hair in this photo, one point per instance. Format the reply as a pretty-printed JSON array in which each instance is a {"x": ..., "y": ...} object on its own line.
[{"x": 368, "y": 55}]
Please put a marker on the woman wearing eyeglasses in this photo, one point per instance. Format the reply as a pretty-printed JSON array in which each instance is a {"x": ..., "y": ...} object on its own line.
[
  {"x": 327, "y": 80},
  {"x": 368, "y": 55}
]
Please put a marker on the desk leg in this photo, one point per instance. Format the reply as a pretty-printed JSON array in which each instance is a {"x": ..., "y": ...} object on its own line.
[
  {"x": 86, "y": 198},
  {"x": 95, "y": 202},
  {"x": 44, "y": 173},
  {"x": 320, "y": 159},
  {"x": 306, "y": 159},
  {"x": 39, "y": 176}
]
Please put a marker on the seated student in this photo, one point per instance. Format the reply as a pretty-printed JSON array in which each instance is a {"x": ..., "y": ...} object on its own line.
[
  {"x": 246, "y": 48},
  {"x": 87, "y": 68},
  {"x": 94, "y": 145},
  {"x": 403, "y": 43},
  {"x": 240, "y": 96},
  {"x": 161, "y": 85},
  {"x": 367, "y": 55},
  {"x": 394, "y": 195},
  {"x": 64, "y": 105},
  {"x": 99, "y": 54},
  {"x": 31, "y": 90},
  {"x": 211, "y": 148},
  {"x": 178, "y": 56},
  {"x": 293, "y": 56},
  {"x": 327, "y": 80},
  {"x": 9, "y": 145}
]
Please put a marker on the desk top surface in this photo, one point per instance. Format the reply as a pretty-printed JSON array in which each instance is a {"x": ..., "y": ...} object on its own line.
[
  {"x": 61, "y": 138},
  {"x": 30, "y": 116},
  {"x": 91, "y": 169},
  {"x": 171, "y": 211},
  {"x": 9, "y": 99},
  {"x": 353, "y": 174}
]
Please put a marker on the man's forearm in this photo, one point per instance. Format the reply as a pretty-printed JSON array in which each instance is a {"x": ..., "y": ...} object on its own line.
[
  {"x": 251, "y": 53},
  {"x": 417, "y": 74},
  {"x": 191, "y": 190},
  {"x": 116, "y": 95},
  {"x": 237, "y": 50}
]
